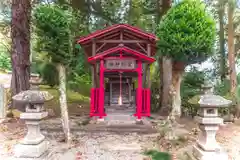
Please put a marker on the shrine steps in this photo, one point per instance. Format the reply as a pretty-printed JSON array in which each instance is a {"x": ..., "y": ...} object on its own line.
[
  {"x": 115, "y": 98},
  {"x": 119, "y": 118},
  {"x": 101, "y": 128}
]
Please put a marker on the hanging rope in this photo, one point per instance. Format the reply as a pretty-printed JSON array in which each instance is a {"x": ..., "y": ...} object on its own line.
[{"x": 120, "y": 94}]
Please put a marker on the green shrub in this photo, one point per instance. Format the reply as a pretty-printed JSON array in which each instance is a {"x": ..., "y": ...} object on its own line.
[
  {"x": 49, "y": 74},
  {"x": 187, "y": 33},
  {"x": 80, "y": 87},
  {"x": 156, "y": 155},
  {"x": 5, "y": 61},
  {"x": 190, "y": 91},
  {"x": 155, "y": 96}
]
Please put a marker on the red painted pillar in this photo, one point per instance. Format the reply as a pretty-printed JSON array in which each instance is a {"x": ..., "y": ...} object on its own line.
[
  {"x": 139, "y": 90},
  {"x": 101, "y": 88},
  {"x": 92, "y": 108}
]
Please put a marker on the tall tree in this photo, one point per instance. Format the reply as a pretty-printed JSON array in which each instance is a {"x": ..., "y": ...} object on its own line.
[
  {"x": 221, "y": 9},
  {"x": 53, "y": 26},
  {"x": 165, "y": 64},
  {"x": 231, "y": 47},
  {"x": 187, "y": 36},
  {"x": 20, "y": 35}
]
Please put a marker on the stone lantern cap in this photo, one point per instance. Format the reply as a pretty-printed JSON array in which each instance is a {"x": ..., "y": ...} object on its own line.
[
  {"x": 210, "y": 101},
  {"x": 33, "y": 97}
]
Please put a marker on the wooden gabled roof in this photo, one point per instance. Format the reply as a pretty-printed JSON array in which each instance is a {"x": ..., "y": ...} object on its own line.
[
  {"x": 116, "y": 27},
  {"x": 113, "y": 33}
]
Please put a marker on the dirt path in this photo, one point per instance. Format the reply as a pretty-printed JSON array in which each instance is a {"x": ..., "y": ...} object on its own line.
[
  {"x": 229, "y": 137},
  {"x": 91, "y": 145}
]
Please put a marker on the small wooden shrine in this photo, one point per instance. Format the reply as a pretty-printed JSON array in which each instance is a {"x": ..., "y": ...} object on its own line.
[{"x": 120, "y": 58}]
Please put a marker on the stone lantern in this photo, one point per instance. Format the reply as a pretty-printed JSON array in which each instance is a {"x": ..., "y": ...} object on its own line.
[
  {"x": 33, "y": 145},
  {"x": 207, "y": 147}
]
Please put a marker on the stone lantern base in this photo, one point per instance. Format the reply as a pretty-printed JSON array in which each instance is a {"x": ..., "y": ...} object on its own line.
[
  {"x": 31, "y": 151},
  {"x": 33, "y": 145},
  {"x": 200, "y": 154}
]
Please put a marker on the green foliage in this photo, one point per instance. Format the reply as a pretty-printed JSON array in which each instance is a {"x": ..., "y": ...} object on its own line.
[
  {"x": 156, "y": 155},
  {"x": 187, "y": 33},
  {"x": 49, "y": 74},
  {"x": 190, "y": 90},
  {"x": 155, "y": 96},
  {"x": 222, "y": 88},
  {"x": 52, "y": 26},
  {"x": 192, "y": 83},
  {"x": 155, "y": 88},
  {"x": 5, "y": 61}
]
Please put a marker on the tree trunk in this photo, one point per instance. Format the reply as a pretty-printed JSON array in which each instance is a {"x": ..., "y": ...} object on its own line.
[
  {"x": 63, "y": 102},
  {"x": 222, "y": 40},
  {"x": 166, "y": 102},
  {"x": 20, "y": 35},
  {"x": 162, "y": 7},
  {"x": 160, "y": 63},
  {"x": 178, "y": 70},
  {"x": 231, "y": 55}
]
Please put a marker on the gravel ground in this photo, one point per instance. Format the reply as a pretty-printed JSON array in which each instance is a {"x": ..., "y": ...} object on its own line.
[
  {"x": 99, "y": 145},
  {"x": 229, "y": 138},
  {"x": 91, "y": 146}
]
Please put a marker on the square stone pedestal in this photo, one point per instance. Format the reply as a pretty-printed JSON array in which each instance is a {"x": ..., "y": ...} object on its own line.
[
  {"x": 31, "y": 151},
  {"x": 199, "y": 154}
]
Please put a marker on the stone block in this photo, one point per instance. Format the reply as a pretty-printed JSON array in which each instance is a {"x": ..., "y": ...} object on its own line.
[
  {"x": 208, "y": 112},
  {"x": 3, "y": 101},
  {"x": 199, "y": 154},
  {"x": 32, "y": 116},
  {"x": 209, "y": 120},
  {"x": 30, "y": 151}
]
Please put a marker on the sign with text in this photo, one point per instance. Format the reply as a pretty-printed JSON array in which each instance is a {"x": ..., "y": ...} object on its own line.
[{"x": 120, "y": 64}]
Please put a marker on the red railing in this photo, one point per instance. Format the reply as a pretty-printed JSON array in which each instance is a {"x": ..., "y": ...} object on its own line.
[
  {"x": 146, "y": 102},
  {"x": 96, "y": 104},
  {"x": 143, "y": 109},
  {"x": 94, "y": 109}
]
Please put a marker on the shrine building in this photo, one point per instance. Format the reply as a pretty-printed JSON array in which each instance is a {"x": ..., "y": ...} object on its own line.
[{"x": 120, "y": 58}]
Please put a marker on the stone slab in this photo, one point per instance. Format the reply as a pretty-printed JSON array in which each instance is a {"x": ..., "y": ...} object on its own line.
[
  {"x": 45, "y": 156},
  {"x": 209, "y": 120},
  {"x": 30, "y": 151},
  {"x": 203, "y": 155},
  {"x": 32, "y": 139},
  {"x": 32, "y": 116}
]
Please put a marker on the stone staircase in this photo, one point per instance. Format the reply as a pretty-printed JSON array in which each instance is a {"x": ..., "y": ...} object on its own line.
[
  {"x": 115, "y": 97},
  {"x": 116, "y": 94},
  {"x": 120, "y": 115}
]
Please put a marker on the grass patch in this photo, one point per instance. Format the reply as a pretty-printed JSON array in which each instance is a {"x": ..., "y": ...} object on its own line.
[
  {"x": 72, "y": 97},
  {"x": 156, "y": 155},
  {"x": 80, "y": 87},
  {"x": 77, "y": 103}
]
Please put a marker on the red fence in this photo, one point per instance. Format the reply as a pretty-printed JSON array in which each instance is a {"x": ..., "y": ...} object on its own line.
[
  {"x": 94, "y": 109},
  {"x": 96, "y": 103},
  {"x": 146, "y": 102},
  {"x": 144, "y": 108}
]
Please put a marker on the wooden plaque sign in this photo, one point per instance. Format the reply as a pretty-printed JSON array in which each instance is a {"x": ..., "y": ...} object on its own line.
[{"x": 120, "y": 64}]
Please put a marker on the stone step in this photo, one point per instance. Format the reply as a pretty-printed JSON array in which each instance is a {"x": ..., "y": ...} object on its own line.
[
  {"x": 103, "y": 127},
  {"x": 116, "y": 101},
  {"x": 123, "y": 111},
  {"x": 120, "y": 116},
  {"x": 117, "y": 98},
  {"x": 120, "y": 119}
]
